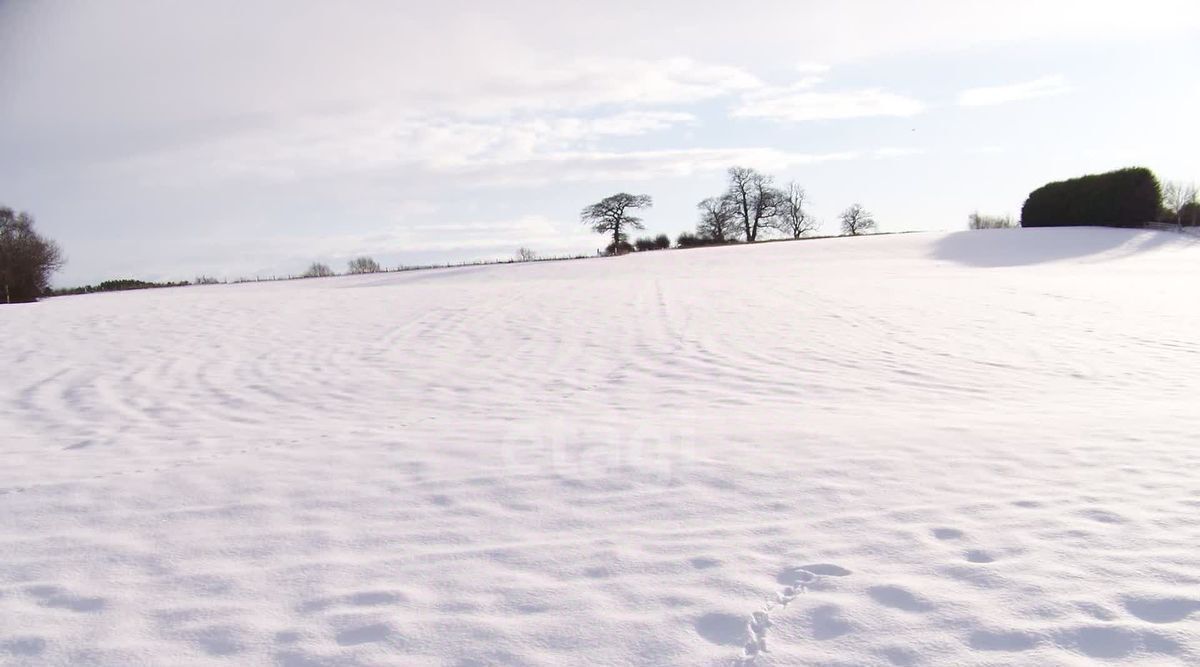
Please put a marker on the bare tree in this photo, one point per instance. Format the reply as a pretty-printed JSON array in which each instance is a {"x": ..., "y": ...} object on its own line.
[
  {"x": 363, "y": 265},
  {"x": 611, "y": 215},
  {"x": 525, "y": 255},
  {"x": 793, "y": 219},
  {"x": 756, "y": 201},
  {"x": 857, "y": 220},
  {"x": 27, "y": 260},
  {"x": 978, "y": 221},
  {"x": 718, "y": 219},
  {"x": 1180, "y": 199},
  {"x": 317, "y": 270}
]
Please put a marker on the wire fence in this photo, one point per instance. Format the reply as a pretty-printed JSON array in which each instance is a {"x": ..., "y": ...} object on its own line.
[{"x": 1173, "y": 227}]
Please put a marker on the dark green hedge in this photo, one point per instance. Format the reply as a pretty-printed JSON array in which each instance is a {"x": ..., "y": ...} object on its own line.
[
  {"x": 114, "y": 286},
  {"x": 1123, "y": 198}
]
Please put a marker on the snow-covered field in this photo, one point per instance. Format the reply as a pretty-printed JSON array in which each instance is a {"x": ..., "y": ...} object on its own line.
[{"x": 967, "y": 449}]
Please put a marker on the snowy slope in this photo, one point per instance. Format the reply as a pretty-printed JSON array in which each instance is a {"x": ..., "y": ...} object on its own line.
[{"x": 966, "y": 449}]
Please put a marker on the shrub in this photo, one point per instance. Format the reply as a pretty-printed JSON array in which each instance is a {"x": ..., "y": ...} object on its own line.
[
  {"x": 621, "y": 248},
  {"x": 1189, "y": 214},
  {"x": 1123, "y": 198},
  {"x": 317, "y": 270},
  {"x": 662, "y": 242},
  {"x": 690, "y": 240},
  {"x": 645, "y": 243},
  {"x": 363, "y": 265},
  {"x": 977, "y": 221}
]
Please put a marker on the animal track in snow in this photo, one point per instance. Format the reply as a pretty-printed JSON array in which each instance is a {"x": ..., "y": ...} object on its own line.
[
  {"x": 1161, "y": 610},
  {"x": 979, "y": 556},
  {"x": 827, "y": 570},
  {"x": 58, "y": 598},
  {"x": 897, "y": 597},
  {"x": 795, "y": 580},
  {"x": 947, "y": 533}
]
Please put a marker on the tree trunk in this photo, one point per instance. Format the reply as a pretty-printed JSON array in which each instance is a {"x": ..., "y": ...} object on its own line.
[{"x": 746, "y": 218}]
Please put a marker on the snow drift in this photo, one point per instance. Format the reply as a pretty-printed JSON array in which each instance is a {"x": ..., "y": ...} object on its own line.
[{"x": 967, "y": 449}]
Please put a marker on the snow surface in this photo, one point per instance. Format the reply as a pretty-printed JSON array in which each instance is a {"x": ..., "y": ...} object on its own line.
[{"x": 965, "y": 449}]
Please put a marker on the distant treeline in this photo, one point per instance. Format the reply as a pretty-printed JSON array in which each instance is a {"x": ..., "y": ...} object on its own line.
[
  {"x": 121, "y": 285},
  {"x": 750, "y": 209},
  {"x": 357, "y": 266},
  {"x": 367, "y": 265}
]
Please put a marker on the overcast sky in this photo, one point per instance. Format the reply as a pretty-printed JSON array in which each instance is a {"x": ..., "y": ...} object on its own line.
[{"x": 161, "y": 139}]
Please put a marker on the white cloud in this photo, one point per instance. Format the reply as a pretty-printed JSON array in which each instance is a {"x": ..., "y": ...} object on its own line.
[
  {"x": 671, "y": 81},
  {"x": 895, "y": 151},
  {"x": 504, "y": 235},
  {"x": 811, "y": 68},
  {"x": 576, "y": 84},
  {"x": 635, "y": 166},
  {"x": 131, "y": 61},
  {"x": 799, "y": 102},
  {"x": 1013, "y": 92},
  {"x": 323, "y": 145},
  {"x": 987, "y": 150},
  {"x": 450, "y": 142},
  {"x": 502, "y": 152}
]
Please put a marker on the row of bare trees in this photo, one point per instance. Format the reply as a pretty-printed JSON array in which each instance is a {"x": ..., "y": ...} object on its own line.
[
  {"x": 750, "y": 204},
  {"x": 356, "y": 266}
]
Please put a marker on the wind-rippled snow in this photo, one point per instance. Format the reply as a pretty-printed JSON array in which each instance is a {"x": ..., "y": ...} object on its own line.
[{"x": 966, "y": 449}]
